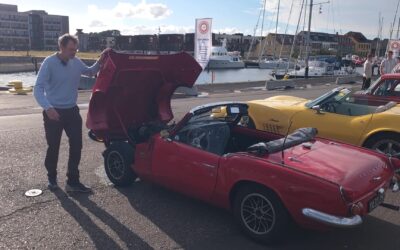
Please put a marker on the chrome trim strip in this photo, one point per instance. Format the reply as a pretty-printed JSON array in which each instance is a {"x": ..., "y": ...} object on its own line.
[
  {"x": 208, "y": 165},
  {"x": 341, "y": 189},
  {"x": 332, "y": 220}
]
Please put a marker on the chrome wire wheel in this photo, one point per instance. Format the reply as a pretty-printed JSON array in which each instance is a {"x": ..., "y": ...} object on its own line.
[
  {"x": 257, "y": 213},
  {"x": 387, "y": 146},
  {"x": 116, "y": 165}
]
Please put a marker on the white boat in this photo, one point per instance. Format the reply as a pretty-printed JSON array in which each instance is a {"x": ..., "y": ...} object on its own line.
[
  {"x": 316, "y": 69},
  {"x": 222, "y": 59},
  {"x": 276, "y": 64}
]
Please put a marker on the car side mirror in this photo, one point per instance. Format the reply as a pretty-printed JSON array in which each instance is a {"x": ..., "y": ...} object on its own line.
[{"x": 317, "y": 108}]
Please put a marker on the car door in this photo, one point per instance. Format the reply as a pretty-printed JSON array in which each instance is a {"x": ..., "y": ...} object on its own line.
[
  {"x": 334, "y": 126},
  {"x": 394, "y": 93},
  {"x": 184, "y": 168}
]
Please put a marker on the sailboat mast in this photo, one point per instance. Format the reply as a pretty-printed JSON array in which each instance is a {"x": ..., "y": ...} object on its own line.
[
  {"x": 262, "y": 29},
  {"x": 295, "y": 36},
  {"x": 304, "y": 27},
  {"x": 308, "y": 40},
  {"x": 378, "y": 42},
  {"x": 276, "y": 27},
  {"x": 394, "y": 20},
  {"x": 254, "y": 35},
  {"x": 398, "y": 27},
  {"x": 392, "y": 25}
]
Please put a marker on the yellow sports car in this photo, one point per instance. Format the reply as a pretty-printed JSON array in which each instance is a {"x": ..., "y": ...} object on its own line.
[{"x": 335, "y": 115}]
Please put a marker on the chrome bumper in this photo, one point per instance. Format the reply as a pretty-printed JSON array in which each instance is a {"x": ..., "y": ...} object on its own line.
[{"x": 332, "y": 220}]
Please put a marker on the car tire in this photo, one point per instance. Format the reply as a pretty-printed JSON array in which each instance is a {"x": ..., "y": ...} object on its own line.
[
  {"x": 118, "y": 159},
  {"x": 261, "y": 214},
  {"x": 387, "y": 143}
]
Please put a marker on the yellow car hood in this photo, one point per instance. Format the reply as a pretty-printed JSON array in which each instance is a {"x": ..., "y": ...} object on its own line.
[
  {"x": 282, "y": 102},
  {"x": 273, "y": 114},
  {"x": 393, "y": 111}
]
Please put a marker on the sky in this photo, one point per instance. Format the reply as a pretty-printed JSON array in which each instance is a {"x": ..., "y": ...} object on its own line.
[{"x": 234, "y": 16}]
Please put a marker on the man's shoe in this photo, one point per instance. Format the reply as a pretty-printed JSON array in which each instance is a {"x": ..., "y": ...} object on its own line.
[
  {"x": 52, "y": 185},
  {"x": 77, "y": 187}
]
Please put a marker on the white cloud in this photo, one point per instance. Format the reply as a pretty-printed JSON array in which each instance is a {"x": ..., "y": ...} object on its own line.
[
  {"x": 96, "y": 24},
  {"x": 145, "y": 18},
  {"x": 227, "y": 30},
  {"x": 152, "y": 29},
  {"x": 142, "y": 10}
]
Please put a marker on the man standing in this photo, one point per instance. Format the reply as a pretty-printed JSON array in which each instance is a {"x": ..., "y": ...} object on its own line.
[
  {"x": 367, "y": 72},
  {"x": 56, "y": 91},
  {"x": 396, "y": 68},
  {"x": 388, "y": 64}
]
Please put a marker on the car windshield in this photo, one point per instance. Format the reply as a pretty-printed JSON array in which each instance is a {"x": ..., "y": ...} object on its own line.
[
  {"x": 338, "y": 94},
  {"x": 374, "y": 84},
  {"x": 341, "y": 101},
  {"x": 225, "y": 113}
]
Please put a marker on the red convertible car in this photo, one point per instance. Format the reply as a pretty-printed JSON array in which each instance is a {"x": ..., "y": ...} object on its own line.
[
  {"x": 266, "y": 181},
  {"x": 383, "y": 90}
]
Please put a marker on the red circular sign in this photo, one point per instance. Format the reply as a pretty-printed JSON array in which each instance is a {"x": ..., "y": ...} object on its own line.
[
  {"x": 203, "y": 27},
  {"x": 395, "y": 45}
]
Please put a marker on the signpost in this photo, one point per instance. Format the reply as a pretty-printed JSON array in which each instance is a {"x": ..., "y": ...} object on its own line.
[
  {"x": 203, "y": 41},
  {"x": 394, "y": 45}
]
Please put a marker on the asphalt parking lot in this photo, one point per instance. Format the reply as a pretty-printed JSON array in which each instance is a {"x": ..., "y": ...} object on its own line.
[{"x": 142, "y": 216}]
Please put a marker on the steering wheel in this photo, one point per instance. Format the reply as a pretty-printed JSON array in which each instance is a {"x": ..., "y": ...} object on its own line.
[
  {"x": 198, "y": 138},
  {"x": 330, "y": 106}
]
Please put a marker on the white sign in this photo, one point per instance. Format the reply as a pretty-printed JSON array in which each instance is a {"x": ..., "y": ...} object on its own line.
[
  {"x": 203, "y": 41},
  {"x": 394, "y": 45}
]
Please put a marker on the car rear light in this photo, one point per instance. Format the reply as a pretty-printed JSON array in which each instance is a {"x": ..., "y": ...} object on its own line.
[{"x": 357, "y": 208}]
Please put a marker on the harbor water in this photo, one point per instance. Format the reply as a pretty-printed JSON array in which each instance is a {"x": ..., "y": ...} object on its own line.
[{"x": 206, "y": 77}]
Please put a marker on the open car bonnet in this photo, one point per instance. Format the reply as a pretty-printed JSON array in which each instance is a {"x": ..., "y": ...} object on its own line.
[{"x": 134, "y": 89}]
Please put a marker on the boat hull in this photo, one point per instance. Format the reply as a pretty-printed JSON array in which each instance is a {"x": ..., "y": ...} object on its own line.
[
  {"x": 275, "y": 65},
  {"x": 224, "y": 64}
]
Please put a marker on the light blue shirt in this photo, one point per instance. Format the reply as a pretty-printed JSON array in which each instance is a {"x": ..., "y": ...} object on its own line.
[{"x": 57, "y": 84}]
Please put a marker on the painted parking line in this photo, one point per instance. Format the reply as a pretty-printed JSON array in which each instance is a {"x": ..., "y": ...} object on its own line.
[{"x": 81, "y": 105}]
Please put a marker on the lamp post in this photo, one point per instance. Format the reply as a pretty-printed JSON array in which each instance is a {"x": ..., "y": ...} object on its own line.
[{"x": 308, "y": 35}]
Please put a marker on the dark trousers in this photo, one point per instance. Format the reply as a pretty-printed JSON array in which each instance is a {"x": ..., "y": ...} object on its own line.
[
  {"x": 366, "y": 83},
  {"x": 71, "y": 123}
]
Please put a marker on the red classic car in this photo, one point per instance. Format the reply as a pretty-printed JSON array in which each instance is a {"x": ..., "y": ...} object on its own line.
[
  {"x": 382, "y": 91},
  {"x": 266, "y": 181}
]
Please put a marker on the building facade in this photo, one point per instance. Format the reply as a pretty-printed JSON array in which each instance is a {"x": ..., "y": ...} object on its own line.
[
  {"x": 321, "y": 43},
  {"x": 379, "y": 47},
  {"x": 273, "y": 45},
  {"x": 171, "y": 42},
  {"x": 362, "y": 46},
  {"x": 345, "y": 45},
  {"x": 14, "y": 32},
  {"x": 83, "y": 40},
  {"x": 124, "y": 43},
  {"x": 33, "y": 29}
]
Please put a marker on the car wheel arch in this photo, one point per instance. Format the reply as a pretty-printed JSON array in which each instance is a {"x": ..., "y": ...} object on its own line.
[
  {"x": 281, "y": 218},
  {"x": 370, "y": 137},
  {"x": 124, "y": 153},
  {"x": 242, "y": 183}
]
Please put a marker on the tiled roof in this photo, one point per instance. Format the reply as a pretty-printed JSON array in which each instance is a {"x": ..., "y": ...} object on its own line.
[{"x": 358, "y": 36}]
